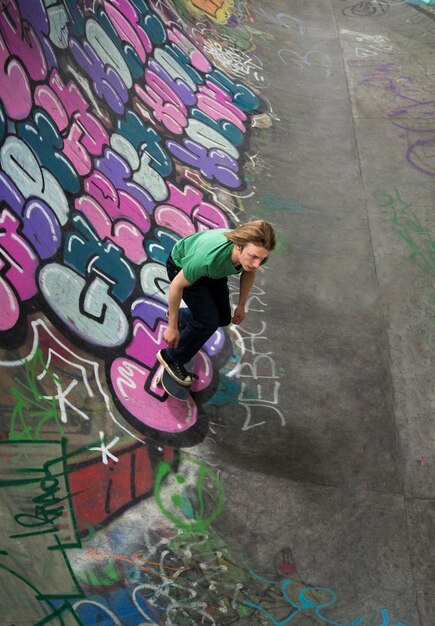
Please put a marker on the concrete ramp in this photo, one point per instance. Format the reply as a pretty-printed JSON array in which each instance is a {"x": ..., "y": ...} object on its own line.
[{"x": 296, "y": 486}]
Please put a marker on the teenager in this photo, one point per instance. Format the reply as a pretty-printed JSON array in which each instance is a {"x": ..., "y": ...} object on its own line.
[{"x": 198, "y": 268}]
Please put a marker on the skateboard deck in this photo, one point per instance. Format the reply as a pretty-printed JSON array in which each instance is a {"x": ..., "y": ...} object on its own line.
[{"x": 174, "y": 389}]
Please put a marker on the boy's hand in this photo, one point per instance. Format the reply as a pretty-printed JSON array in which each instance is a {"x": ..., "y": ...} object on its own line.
[
  {"x": 239, "y": 314},
  {"x": 172, "y": 337}
]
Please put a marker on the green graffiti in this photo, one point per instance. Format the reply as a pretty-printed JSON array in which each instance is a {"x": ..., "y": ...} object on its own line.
[
  {"x": 33, "y": 410},
  {"x": 58, "y": 613},
  {"x": 189, "y": 513},
  {"x": 410, "y": 229},
  {"x": 106, "y": 575},
  {"x": 39, "y": 520}
]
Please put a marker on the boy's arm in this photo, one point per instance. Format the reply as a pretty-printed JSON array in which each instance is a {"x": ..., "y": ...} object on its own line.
[
  {"x": 171, "y": 334},
  {"x": 246, "y": 281}
]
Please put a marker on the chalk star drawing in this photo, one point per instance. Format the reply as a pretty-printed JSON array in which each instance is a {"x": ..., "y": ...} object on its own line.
[{"x": 105, "y": 449}]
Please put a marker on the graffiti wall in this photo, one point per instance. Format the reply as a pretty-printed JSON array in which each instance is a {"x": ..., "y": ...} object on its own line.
[{"x": 116, "y": 130}]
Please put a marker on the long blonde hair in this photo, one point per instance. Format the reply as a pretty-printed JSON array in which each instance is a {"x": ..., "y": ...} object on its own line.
[{"x": 258, "y": 232}]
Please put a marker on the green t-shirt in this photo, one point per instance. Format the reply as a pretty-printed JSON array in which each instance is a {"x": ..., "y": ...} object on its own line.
[{"x": 207, "y": 253}]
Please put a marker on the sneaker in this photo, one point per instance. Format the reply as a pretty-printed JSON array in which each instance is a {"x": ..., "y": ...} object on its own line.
[{"x": 176, "y": 370}]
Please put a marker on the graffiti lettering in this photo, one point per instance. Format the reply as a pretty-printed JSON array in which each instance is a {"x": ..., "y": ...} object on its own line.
[
  {"x": 86, "y": 308},
  {"x": 255, "y": 369},
  {"x": 131, "y": 205},
  {"x": 22, "y": 41},
  {"x": 20, "y": 164}
]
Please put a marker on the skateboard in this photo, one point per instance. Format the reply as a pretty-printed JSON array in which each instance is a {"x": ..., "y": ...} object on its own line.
[{"x": 174, "y": 389}]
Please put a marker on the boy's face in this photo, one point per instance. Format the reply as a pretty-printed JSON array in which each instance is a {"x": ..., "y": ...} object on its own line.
[{"x": 251, "y": 256}]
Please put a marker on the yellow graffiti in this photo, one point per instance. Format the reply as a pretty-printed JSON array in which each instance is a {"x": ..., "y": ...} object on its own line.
[{"x": 218, "y": 10}]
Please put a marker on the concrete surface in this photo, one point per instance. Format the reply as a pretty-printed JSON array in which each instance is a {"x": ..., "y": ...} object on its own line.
[{"x": 305, "y": 491}]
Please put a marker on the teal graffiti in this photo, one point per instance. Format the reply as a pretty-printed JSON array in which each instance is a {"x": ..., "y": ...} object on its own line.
[
  {"x": 275, "y": 203},
  {"x": 304, "y": 605}
]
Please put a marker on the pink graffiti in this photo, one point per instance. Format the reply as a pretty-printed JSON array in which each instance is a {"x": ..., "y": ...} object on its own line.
[
  {"x": 188, "y": 202},
  {"x": 124, "y": 9},
  {"x": 18, "y": 261},
  {"x": 48, "y": 100},
  {"x": 167, "y": 106},
  {"x": 146, "y": 341},
  {"x": 138, "y": 392},
  {"x": 22, "y": 41},
  {"x": 216, "y": 103},
  {"x": 13, "y": 83},
  {"x": 135, "y": 379},
  {"x": 118, "y": 170},
  {"x": 123, "y": 233},
  {"x": 117, "y": 203},
  {"x": 138, "y": 39},
  {"x": 87, "y": 135},
  {"x": 10, "y": 306},
  {"x": 174, "y": 219},
  {"x": 196, "y": 57},
  {"x": 115, "y": 215}
]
